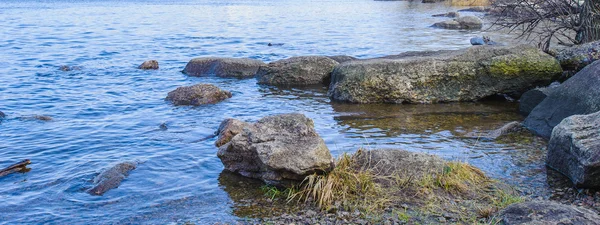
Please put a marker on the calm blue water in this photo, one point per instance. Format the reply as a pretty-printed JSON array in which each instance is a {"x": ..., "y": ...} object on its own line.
[{"x": 109, "y": 111}]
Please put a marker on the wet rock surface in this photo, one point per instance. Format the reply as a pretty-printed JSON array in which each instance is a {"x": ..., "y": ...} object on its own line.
[
  {"x": 574, "y": 149},
  {"x": 111, "y": 178},
  {"x": 199, "y": 94},
  {"x": 578, "y": 95},
  {"x": 223, "y": 67},
  {"x": 443, "y": 76},
  {"x": 547, "y": 212},
  {"x": 464, "y": 22},
  {"x": 530, "y": 99},
  {"x": 297, "y": 71},
  {"x": 276, "y": 149},
  {"x": 149, "y": 65}
]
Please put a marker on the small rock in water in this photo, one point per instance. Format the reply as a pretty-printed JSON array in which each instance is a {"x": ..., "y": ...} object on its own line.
[
  {"x": 2, "y": 115},
  {"x": 275, "y": 44},
  {"x": 66, "y": 68},
  {"x": 448, "y": 14},
  {"x": 163, "y": 126},
  {"x": 199, "y": 94},
  {"x": 36, "y": 117},
  {"x": 477, "y": 41},
  {"x": 111, "y": 178},
  {"x": 149, "y": 65}
]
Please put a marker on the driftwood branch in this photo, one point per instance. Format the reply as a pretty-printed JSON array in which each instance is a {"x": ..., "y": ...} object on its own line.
[{"x": 17, "y": 167}]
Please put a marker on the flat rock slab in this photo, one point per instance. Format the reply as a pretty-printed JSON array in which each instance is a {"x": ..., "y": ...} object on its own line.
[
  {"x": 223, "y": 67},
  {"x": 199, "y": 94},
  {"x": 579, "y": 95},
  {"x": 297, "y": 71},
  {"x": 111, "y": 178},
  {"x": 547, "y": 213},
  {"x": 574, "y": 149},
  {"x": 443, "y": 76}
]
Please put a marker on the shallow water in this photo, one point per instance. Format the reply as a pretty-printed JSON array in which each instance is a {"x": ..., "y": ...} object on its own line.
[{"x": 109, "y": 111}]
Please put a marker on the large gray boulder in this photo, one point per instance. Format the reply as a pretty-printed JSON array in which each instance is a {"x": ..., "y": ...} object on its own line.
[
  {"x": 198, "y": 94},
  {"x": 574, "y": 149},
  {"x": 546, "y": 213},
  {"x": 280, "y": 149},
  {"x": 463, "y": 22},
  {"x": 579, "y": 95},
  {"x": 111, "y": 178},
  {"x": 577, "y": 57},
  {"x": 297, "y": 71},
  {"x": 223, "y": 67},
  {"x": 443, "y": 76}
]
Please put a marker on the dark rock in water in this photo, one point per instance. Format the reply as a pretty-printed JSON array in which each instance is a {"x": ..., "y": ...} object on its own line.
[
  {"x": 477, "y": 41},
  {"x": 275, "y": 44},
  {"x": 69, "y": 68},
  {"x": 280, "y": 150},
  {"x": 223, "y": 67},
  {"x": 577, "y": 57},
  {"x": 342, "y": 58},
  {"x": 465, "y": 22},
  {"x": 579, "y": 95},
  {"x": 530, "y": 99},
  {"x": 508, "y": 128},
  {"x": 443, "y": 76},
  {"x": 36, "y": 117},
  {"x": 198, "y": 94},
  {"x": 432, "y": 1},
  {"x": 574, "y": 149},
  {"x": 149, "y": 65},
  {"x": 228, "y": 129},
  {"x": 475, "y": 9},
  {"x": 2, "y": 115},
  {"x": 297, "y": 71},
  {"x": 111, "y": 178},
  {"x": 163, "y": 126},
  {"x": 546, "y": 212},
  {"x": 448, "y": 14}
]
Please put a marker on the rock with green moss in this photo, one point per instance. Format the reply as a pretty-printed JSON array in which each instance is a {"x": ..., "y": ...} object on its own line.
[
  {"x": 443, "y": 76},
  {"x": 577, "y": 57}
]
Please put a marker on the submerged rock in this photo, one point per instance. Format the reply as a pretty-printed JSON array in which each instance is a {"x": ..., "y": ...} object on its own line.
[
  {"x": 579, "y": 95},
  {"x": 574, "y": 149},
  {"x": 577, "y": 57},
  {"x": 66, "y": 68},
  {"x": 464, "y": 22},
  {"x": 111, "y": 178},
  {"x": 199, "y": 94},
  {"x": 36, "y": 117},
  {"x": 448, "y": 14},
  {"x": 278, "y": 149},
  {"x": 149, "y": 65},
  {"x": 546, "y": 212},
  {"x": 223, "y": 67},
  {"x": 297, "y": 71},
  {"x": 2, "y": 115},
  {"x": 443, "y": 76}
]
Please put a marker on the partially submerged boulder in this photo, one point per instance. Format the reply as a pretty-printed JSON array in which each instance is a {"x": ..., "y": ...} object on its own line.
[
  {"x": 111, "y": 178},
  {"x": 463, "y": 22},
  {"x": 278, "y": 149},
  {"x": 297, "y": 71},
  {"x": 577, "y": 57},
  {"x": 443, "y": 76},
  {"x": 223, "y": 67},
  {"x": 574, "y": 149},
  {"x": 530, "y": 99},
  {"x": 579, "y": 95},
  {"x": 149, "y": 65},
  {"x": 199, "y": 94},
  {"x": 36, "y": 117},
  {"x": 546, "y": 212},
  {"x": 67, "y": 68}
]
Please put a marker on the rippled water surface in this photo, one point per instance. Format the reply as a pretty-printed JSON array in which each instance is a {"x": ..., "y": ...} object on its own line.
[{"x": 109, "y": 111}]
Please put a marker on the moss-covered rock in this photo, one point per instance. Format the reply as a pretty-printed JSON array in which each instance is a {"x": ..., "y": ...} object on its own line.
[
  {"x": 576, "y": 57},
  {"x": 443, "y": 76}
]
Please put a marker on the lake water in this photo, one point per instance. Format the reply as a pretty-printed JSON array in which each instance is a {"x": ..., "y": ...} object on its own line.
[{"x": 110, "y": 112}]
